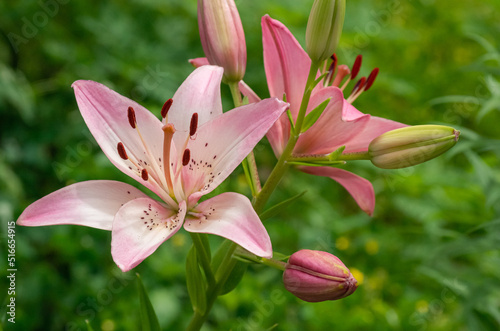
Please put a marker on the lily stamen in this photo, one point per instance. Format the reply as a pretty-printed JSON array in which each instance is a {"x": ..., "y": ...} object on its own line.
[{"x": 168, "y": 133}]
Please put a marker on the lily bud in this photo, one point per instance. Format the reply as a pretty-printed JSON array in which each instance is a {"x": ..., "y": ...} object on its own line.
[
  {"x": 222, "y": 37},
  {"x": 324, "y": 28},
  {"x": 411, "y": 145},
  {"x": 315, "y": 276}
]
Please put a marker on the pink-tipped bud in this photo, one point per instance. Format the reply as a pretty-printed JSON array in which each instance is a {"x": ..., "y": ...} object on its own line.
[
  {"x": 324, "y": 28},
  {"x": 411, "y": 145},
  {"x": 315, "y": 276},
  {"x": 222, "y": 37}
]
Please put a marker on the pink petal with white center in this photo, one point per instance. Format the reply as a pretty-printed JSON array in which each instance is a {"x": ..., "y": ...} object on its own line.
[
  {"x": 140, "y": 227},
  {"x": 375, "y": 127},
  {"x": 199, "y": 93},
  {"x": 279, "y": 132},
  {"x": 199, "y": 61},
  {"x": 92, "y": 203},
  {"x": 105, "y": 113},
  {"x": 359, "y": 188},
  {"x": 231, "y": 215},
  {"x": 335, "y": 127},
  {"x": 286, "y": 63},
  {"x": 221, "y": 144}
]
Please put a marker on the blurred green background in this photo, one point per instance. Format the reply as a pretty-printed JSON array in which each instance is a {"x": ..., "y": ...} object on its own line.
[{"x": 427, "y": 260}]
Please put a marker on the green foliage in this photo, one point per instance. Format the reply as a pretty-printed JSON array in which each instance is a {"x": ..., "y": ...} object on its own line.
[
  {"x": 427, "y": 260},
  {"x": 149, "y": 321}
]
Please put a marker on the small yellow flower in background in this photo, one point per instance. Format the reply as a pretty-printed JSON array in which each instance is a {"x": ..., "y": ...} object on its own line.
[
  {"x": 342, "y": 243},
  {"x": 358, "y": 275},
  {"x": 371, "y": 247},
  {"x": 422, "y": 306}
]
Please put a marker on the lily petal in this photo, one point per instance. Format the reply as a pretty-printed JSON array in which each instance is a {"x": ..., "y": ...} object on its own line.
[
  {"x": 374, "y": 128},
  {"x": 231, "y": 215},
  {"x": 336, "y": 126},
  {"x": 92, "y": 203},
  {"x": 224, "y": 142},
  {"x": 286, "y": 63},
  {"x": 140, "y": 227},
  {"x": 199, "y": 93},
  {"x": 199, "y": 61},
  {"x": 105, "y": 113},
  {"x": 359, "y": 188}
]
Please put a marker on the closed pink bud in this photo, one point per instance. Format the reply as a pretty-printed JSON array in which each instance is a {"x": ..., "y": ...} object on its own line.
[
  {"x": 222, "y": 37},
  {"x": 315, "y": 276}
]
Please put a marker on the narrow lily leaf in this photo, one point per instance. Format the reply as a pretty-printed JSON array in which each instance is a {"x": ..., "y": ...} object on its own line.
[
  {"x": 318, "y": 80},
  {"x": 248, "y": 177},
  {"x": 206, "y": 244},
  {"x": 89, "y": 327},
  {"x": 195, "y": 283},
  {"x": 276, "y": 209},
  {"x": 313, "y": 116},
  {"x": 290, "y": 118},
  {"x": 280, "y": 256},
  {"x": 234, "y": 278},
  {"x": 149, "y": 321},
  {"x": 220, "y": 254},
  {"x": 318, "y": 163},
  {"x": 335, "y": 154}
]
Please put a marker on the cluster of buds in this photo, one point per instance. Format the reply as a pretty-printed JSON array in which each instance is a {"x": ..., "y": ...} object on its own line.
[{"x": 315, "y": 276}]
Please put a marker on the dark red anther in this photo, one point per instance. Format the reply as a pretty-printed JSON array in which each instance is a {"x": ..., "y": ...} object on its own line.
[
  {"x": 121, "y": 151},
  {"x": 131, "y": 117},
  {"x": 166, "y": 107},
  {"x": 186, "y": 157},
  {"x": 193, "y": 126},
  {"x": 144, "y": 174},
  {"x": 359, "y": 85},
  {"x": 371, "y": 79},
  {"x": 356, "y": 66}
]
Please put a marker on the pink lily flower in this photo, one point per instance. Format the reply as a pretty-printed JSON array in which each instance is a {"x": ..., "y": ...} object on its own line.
[
  {"x": 287, "y": 67},
  {"x": 185, "y": 157}
]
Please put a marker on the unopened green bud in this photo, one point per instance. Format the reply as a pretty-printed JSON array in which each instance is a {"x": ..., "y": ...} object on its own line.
[
  {"x": 324, "y": 28},
  {"x": 411, "y": 145}
]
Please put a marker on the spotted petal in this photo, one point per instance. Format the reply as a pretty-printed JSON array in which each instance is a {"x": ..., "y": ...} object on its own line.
[
  {"x": 92, "y": 203},
  {"x": 140, "y": 227},
  {"x": 105, "y": 113},
  {"x": 221, "y": 144},
  {"x": 359, "y": 188},
  {"x": 199, "y": 93},
  {"x": 230, "y": 215}
]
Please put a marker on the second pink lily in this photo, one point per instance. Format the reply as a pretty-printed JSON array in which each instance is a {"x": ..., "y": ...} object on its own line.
[{"x": 287, "y": 67}]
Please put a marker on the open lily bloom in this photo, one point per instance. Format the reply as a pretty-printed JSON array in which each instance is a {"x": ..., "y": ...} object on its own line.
[
  {"x": 185, "y": 157},
  {"x": 341, "y": 124}
]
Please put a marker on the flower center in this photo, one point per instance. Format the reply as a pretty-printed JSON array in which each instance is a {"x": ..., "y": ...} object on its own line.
[{"x": 337, "y": 73}]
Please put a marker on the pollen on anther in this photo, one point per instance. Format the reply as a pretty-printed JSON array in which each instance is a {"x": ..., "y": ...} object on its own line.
[
  {"x": 166, "y": 107},
  {"x": 144, "y": 174},
  {"x": 131, "y": 117},
  {"x": 186, "y": 157},
  {"x": 193, "y": 126},
  {"x": 121, "y": 151}
]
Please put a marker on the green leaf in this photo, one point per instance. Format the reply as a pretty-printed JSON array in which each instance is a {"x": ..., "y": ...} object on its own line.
[
  {"x": 149, "y": 321},
  {"x": 335, "y": 154},
  {"x": 276, "y": 209},
  {"x": 280, "y": 256},
  {"x": 220, "y": 254},
  {"x": 313, "y": 116},
  {"x": 234, "y": 278},
  {"x": 195, "y": 283},
  {"x": 290, "y": 118}
]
